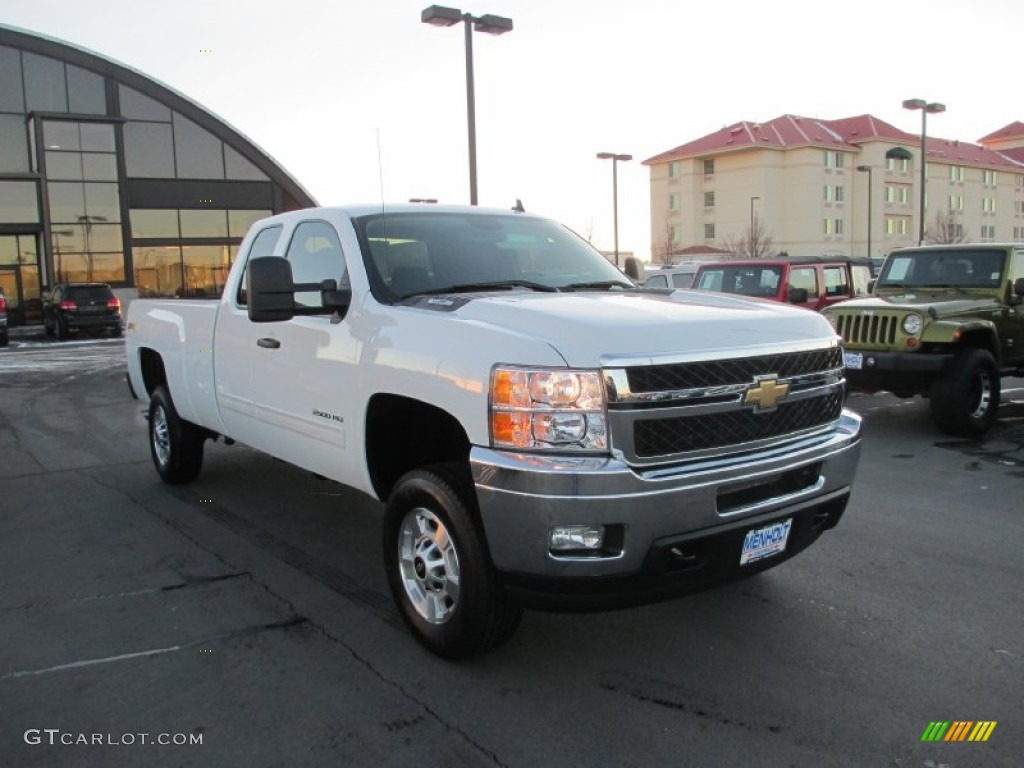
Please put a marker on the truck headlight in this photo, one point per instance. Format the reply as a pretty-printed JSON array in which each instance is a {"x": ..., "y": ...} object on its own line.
[
  {"x": 547, "y": 410},
  {"x": 912, "y": 325}
]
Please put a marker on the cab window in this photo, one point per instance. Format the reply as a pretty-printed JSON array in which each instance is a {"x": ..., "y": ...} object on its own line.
[
  {"x": 657, "y": 281},
  {"x": 315, "y": 255},
  {"x": 262, "y": 245}
]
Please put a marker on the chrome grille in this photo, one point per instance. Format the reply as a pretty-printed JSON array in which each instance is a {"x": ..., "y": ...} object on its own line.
[{"x": 877, "y": 329}]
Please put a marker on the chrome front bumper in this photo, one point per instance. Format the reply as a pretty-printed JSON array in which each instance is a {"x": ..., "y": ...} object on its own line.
[{"x": 522, "y": 496}]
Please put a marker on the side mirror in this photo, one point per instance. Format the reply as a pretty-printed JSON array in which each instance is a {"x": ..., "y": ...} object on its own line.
[
  {"x": 271, "y": 293},
  {"x": 797, "y": 296},
  {"x": 634, "y": 269}
]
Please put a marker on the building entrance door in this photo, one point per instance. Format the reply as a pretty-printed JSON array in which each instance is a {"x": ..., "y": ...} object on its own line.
[{"x": 19, "y": 278}]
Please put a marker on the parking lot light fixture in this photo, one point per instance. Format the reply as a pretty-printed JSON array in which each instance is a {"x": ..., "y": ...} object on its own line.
[
  {"x": 442, "y": 16},
  {"x": 926, "y": 107},
  {"x": 616, "y": 159}
]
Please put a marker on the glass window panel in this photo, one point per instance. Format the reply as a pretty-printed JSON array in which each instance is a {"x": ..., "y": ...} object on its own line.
[
  {"x": 200, "y": 223},
  {"x": 198, "y": 153},
  {"x": 67, "y": 201},
  {"x": 68, "y": 239},
  {"x": 148, "y": 150},
  {"x": 64, "y": 166},
  {"x": 13, "y": 143},
  {"x": 45, "y": 89},
  {"x": 240, "y": 221},
  {"x": 154, "y": 223},
  {"x": 102, "y": 200},
  {"x": 8, "y": 249},
  {"x": 96, "y": 167},
  {"x": 97, "y": 137},
  {"x": 136, "y": 106},
  {"x": 86, "y": 93},
  {"x": 18, "y": 202},
  {"x": 89, "y": 268},
  {"x": 103, "y": 237},
  {"x": 157, "y": 271},
  {"x": 12, "y": 95},
  {"x": 58, "y": 134},
  {"x": 238, "y": 167},
  {"x": 206, "y": 269}
]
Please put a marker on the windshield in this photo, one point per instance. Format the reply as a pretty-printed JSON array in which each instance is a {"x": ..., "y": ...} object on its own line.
[
  {"x": 430, "y": 252},
  {"x": 745, "y": 280},
  {"x": 959, "y": 268}
]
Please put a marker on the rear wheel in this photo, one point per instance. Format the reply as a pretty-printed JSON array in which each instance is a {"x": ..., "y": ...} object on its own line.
[
  {"x": 175, "y": 444},
  {"x": 965, "y": 400},
  {"x": 438, "y": 566},
  {"x": 62, "y": 329}
]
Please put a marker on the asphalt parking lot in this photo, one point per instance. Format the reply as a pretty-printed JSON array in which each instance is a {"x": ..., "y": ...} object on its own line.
[{"x": 244, "y": 620}]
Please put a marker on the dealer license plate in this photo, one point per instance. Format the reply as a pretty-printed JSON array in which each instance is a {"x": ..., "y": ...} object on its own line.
[
  {"x": 853, "y": 360},
  {"x": 760, "y": 543}
]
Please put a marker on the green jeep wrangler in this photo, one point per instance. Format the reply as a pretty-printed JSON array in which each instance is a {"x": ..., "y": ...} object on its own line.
[{"x": 945, "y": 321}]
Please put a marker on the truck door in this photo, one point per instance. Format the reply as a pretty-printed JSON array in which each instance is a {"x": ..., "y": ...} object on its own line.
[{"x": 304, "y": 369}]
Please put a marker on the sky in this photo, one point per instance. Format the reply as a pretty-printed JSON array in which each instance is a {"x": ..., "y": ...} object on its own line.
[{"x": 360, "y": 101}]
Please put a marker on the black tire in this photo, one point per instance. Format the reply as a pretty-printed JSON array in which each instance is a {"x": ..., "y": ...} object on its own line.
[
  {"x": 176, "y": 445},
  {"x": 965, "y": 400},
  {"x": 62, "y": 329},
  {"x": 116, "y": 331},
  {"x": 4, "y": 339},
  {"x": 478, "y": 616}
]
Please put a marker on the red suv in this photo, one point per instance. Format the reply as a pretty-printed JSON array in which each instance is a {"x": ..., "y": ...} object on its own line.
[{"x": 814, "y": 282}]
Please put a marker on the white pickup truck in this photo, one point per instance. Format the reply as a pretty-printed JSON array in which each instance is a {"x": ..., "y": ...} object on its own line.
[{"x": 545, "y": 434}]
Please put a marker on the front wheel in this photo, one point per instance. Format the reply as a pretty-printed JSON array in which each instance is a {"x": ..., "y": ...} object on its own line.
[
  {"x": 175, "y": 444},
  {"x": 965, "y": 400},
  {"x": 438, "y": 567}
]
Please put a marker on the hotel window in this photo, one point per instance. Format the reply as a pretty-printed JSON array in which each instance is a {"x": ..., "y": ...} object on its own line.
[
  {"x": 903, "y": 226},
  {"x": 956, "y": 173},
  {"x": 709, "y": 199},
  {"x": 677, "y": 233},
  {"x": 826, "y": 227},
  {"x": 893, "y": 164},
  {"x": 840, "y": 160},
  {"x": 673, "y": 202},
  {"x": 901, "y": 195},
  {"x": 990, "y": 178},
  {"x": 673, "y": 170},
  {"x": 956, "y": 202},
  {"x": 709, "y": 167},
  {"x": 828, "y": 159},
  {"x": 1020, "y": 179},
  {"x": 988, "y": 231},
  {"x": 958, "y": 231},
  {"x": 709, "y": 231},
  {"x": 839, "y": 194},
  {"x": 828, "y": 194},
  {"x": 988, "y": 204},
  {"x": 890, "y": 225},
  {"x": 890, "y": 194},
  {"x": 839, "y": 226}
]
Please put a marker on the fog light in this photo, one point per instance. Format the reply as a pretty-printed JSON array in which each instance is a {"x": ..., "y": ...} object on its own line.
[{"x": 566, "y": 538}]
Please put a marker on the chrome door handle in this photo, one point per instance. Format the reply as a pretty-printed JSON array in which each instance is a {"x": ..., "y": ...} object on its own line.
[{"x": 268, "y": 343}]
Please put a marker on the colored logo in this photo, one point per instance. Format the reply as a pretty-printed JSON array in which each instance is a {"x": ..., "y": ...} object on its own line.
[
  {"x": 959, "y": 730},
  {"x": 765, "y": 393}
]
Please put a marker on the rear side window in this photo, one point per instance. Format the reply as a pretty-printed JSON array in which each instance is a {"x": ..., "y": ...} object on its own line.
[
  {"x": 262, "y": 245},
  {"x": 836, "y": 283},
  {"x": 657, "y": 281},
  {"x": 682, "y": 279}
]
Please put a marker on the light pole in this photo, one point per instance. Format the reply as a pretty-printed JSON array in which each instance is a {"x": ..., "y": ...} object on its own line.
[
  {"x": 87, "y": 222},
  {"x": 440, "y": 16},
  {"x": 750, "y": 239},
  {"x": 615, "y": 158},
  {"x": 867, "y": 169},
  {"x": 57, "y": 234},
  {"x": 925, "y": 107}
]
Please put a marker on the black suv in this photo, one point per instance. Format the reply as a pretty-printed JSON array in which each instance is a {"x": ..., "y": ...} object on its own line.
[{"x": 81, "y": 306}]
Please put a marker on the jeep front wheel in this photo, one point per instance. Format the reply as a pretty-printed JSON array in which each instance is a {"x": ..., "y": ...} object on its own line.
[
  {"x": 965, "y": 400},
  {"x": 438, "y": 566}
]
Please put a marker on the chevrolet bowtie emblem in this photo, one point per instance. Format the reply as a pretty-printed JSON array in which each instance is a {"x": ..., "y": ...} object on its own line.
[{"x": 765, "y": 394}]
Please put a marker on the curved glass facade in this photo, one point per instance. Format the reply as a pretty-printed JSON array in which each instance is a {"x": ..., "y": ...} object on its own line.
[{"x": 106, "y": 175}]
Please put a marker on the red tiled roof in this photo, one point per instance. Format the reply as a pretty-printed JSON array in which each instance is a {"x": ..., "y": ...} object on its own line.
[
  {"x": 864, "y": 127},
  {"x": 1015, "y": 155},
  {"x": 962, "y": 153},
  {"x": 1014, "y": 130}
]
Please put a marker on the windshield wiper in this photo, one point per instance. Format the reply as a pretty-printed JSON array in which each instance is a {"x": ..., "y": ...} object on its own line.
[
  {"x": 597, "y": 285},
  {"x": 496, "y": 285}
]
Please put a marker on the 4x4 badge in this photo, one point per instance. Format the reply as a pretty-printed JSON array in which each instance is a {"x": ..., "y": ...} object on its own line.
[{"x": 765, "y": 393}]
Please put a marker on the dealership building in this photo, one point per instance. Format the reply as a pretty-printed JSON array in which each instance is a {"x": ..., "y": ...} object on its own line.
[{"x": 106, "y": 175}]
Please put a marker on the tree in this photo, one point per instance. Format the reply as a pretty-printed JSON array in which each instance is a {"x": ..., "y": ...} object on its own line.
[
  {"x": 945, "y": 229},
  {"x": 753, "y": 243},
  {"x": 663, "y": 254}
]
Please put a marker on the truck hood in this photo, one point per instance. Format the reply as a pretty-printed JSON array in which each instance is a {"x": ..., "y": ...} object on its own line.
[
  {"x": 591, "y": 329},
  {"x": 940, "y": 303}
]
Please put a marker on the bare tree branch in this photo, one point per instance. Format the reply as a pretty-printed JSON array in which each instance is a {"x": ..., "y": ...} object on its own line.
[
  {"x": 945, "y": 229},
  {"x": 753, "y": 243}
]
